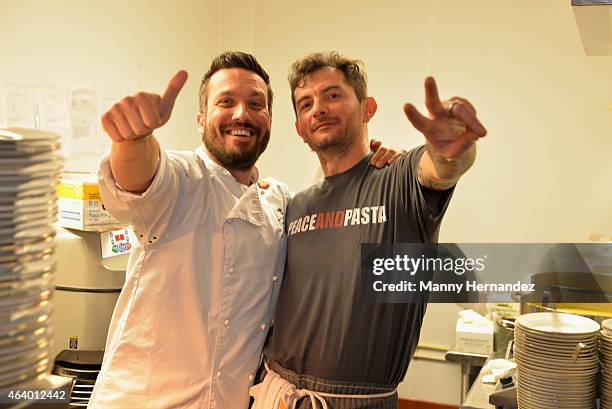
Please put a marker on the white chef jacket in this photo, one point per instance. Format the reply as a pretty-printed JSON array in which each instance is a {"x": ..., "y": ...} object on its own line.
[{"x": 201, "y": 286}]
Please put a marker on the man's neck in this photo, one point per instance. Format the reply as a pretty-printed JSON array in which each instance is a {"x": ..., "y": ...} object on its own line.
[
  {"x": 246, "y": 177},
  {"x": 333, "y": 163}
]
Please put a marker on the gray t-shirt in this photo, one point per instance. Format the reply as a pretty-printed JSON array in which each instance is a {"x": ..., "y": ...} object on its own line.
[{"x": 322, "y": 326}]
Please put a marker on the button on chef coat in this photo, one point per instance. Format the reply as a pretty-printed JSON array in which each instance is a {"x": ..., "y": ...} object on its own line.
[{"x": 209, "y": 248}]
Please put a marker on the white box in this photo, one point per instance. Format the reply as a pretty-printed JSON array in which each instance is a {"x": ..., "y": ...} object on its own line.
[
  {"x": 80, "y": 205},
  {"x": 473, "y": 337}
]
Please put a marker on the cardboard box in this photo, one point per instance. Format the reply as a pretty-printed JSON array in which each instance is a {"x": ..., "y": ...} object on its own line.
[
  {"x": 80, "y": 205},
  {"x": 474, "y": 337}
]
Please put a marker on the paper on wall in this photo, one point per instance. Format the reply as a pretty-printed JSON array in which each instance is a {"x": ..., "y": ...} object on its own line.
[
  {"x": 83, "y": 119},
  {"x": 20, "y": 106}
]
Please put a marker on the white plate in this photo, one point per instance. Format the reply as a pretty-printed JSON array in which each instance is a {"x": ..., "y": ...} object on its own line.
[
  {"x": 555, "y": 348},
  {"x": 542, "y": 370},
  {"x": 24, "y": 259},
  {"x": 36, "y": 247},
  {"x": 25, "y": 213},
  {"x": 554, "y": 363},
  {"x": 27, "y": 224},
  {"x": 12, "y": 271},
  {"x": 42, "y": 332},
  {"x": 26, "y": 321},
  {"x": 557, "y": 323},
  {"x": 534, "y": 403},
  {"x": 584, "y": 356},
  {"x": 522, "y": 337},
  {"x": 555, "y": 335},
  {"x": 557, "y": 399},
  {"x": 28, "y": 371},
  {"x": 10, "y": 305},
  {"x": 31, "y": 149},
  {"x": 43, "y": 213},
  {"x": 554, "y": 383},
  {"x": 9, "y": 352},
  {"x": 555, "y": 338},
  {"x": 41, "y": 169},
  {"x": 27, "y": 236},
  {"x": 607, "y": 325},
  {"x": 33, "y": 223},
  {"x": 34, "y": 158},
  {"x": 19, "y": 178},
  {"x": 40, "y": 283},
  {"x": 28, "y": 202},
  {"x": 42, "y": 185},
  {"x": 560, "y": 395},
  {"x": 24, "y": 135}
]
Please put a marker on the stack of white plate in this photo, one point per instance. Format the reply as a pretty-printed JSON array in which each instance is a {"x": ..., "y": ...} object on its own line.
[
  {"x": 605, "y": 355},
  {"x": 556, "y": 356},
  {"x": 29, "y": 165}
]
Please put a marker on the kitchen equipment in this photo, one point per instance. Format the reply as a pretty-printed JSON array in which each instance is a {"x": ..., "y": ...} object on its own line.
[
  {"x": 83, "y": 367},
  {"x": 595, "y": 289},
  {"x": 87, "y": 287},
  {"x": 89, "y": 280},
  {"x": 557, "y": 363}
]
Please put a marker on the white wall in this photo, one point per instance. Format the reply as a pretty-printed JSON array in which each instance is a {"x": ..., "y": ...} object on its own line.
[
  {"x": 542, "y": 174},
  {"x": 116, "y": 47}
]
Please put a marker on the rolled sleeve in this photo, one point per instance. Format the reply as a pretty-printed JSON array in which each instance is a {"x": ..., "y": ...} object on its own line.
[
  {"x": 150, "y": 212},
  {"x": 425, "y": 206}
]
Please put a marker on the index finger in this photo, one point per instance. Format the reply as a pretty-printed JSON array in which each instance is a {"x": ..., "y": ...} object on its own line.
[
  {"x": 432, "y": 99},
  {"x": 465, "y": 114},
  {"x": 172, "y": 90}
]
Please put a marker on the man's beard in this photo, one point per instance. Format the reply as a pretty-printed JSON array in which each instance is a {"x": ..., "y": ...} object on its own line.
[
  {"x": 338, "y": 143},
  {"x": 234, "y": 159}
]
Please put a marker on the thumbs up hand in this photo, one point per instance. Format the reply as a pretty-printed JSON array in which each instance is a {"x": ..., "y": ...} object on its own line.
[{"x": 139, "y": 115}]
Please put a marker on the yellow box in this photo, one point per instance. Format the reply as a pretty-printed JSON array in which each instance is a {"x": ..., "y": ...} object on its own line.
[{"x": 80, "y": 205}]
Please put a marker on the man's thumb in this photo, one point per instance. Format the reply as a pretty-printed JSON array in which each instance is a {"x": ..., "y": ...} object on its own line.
[{"x": 172, "y": 90}]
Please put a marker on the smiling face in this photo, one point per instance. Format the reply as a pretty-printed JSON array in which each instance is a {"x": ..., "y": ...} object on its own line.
[
  {"x": 236, "y": 125},
  {"x": 330, "y": 118}
]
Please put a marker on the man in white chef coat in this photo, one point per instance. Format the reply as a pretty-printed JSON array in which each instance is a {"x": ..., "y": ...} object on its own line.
[
  {"x": 202, "y": 283},
  {"x": 189, "y": 325}
]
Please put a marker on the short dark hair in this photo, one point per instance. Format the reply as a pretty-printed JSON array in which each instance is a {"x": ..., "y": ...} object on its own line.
[
  {"x": 234, "y": 59},
  {"x": 353, "y": 70}
]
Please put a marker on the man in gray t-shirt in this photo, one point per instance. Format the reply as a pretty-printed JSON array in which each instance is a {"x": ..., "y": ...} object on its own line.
[{"x": 327, "y": 342}]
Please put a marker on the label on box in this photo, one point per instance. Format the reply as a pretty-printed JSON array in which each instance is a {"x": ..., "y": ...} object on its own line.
[
  {"x": 477, "y": 339},
  {"x": 117, "y": 242},
  {"x": 80, "y": 204}
]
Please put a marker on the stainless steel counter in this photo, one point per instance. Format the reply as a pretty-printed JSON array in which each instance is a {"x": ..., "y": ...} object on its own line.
[{"x": 478, "y": 395}]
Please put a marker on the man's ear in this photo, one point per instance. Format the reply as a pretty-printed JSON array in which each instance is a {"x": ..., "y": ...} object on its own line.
[
  {"x": 201, "y": 118},
  {"x": 299, "y": 130},
  {"x": 369, "y": 108}
]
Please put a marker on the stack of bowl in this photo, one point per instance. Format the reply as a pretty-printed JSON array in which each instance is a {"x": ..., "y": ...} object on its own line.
[
  {"x": 605, "y": 356},
  {"x": 556, "y": 356},
  {"x": 29, "y": 165}
]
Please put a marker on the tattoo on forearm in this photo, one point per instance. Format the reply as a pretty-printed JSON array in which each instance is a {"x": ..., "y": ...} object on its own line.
[{"x": 427, "y": 182}]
